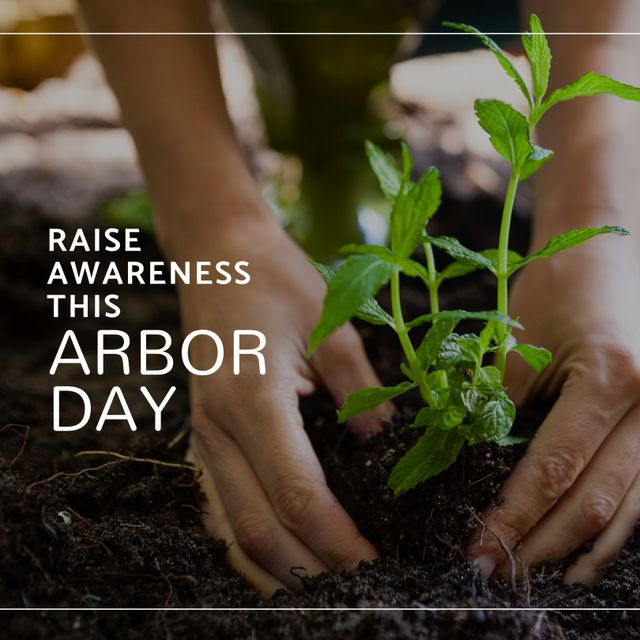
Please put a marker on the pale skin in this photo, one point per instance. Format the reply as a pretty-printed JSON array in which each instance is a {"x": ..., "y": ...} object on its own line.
[{"x": 267, "y": 496}]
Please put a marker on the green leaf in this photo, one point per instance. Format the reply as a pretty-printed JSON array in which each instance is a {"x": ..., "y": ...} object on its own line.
[
  {"x": 504, "y": 61},
  {"x": 428, "y": 194},
  {"x": 494, "y": 421},
  {"x": 486, "y": 336},
  {"x": 492, "y": 255},
  {"x": 509, "y": 441},
  {"x": 539, "y": 54},
  {"x": 440, "y": 418},
  {"x": 450, "y": 354},
  {"x": 356, "y": 281},
  {"x": 508, "y": 341},
  {"x": 369, "y": 311},
  {"x": 489, "y": 377},
  {"x": 368, "y": 249},
  {"x": 565, "y": 241},
  {"x": 434, "y": 452},
  {"x": 369, "y": 398},
  {"x": 411, "y": 212},
  {"x": 537, "y": 357},
  {"x": 470, "y": 348},
  {"x": 590, "y": 84},
  {"x": 459, "y": 314},
  {"x": 455, "y": 270},
  {"x": 459, "y": 252},
  {"x": 426, "y": 417},
  {"x": 414, "y": 269},
  {"x": 327, "y": 272},
  {"x": 535, "y": 160},
  {"x": 407, "y": 163},
  {"x": 385, "y": 170},
  {"x": 507, "y": 128},
  {"x": 406, "y": 371},
  {"x": 452, "y": 417},
  {"x": 441, "y": 395},
  {"x": 438, "y": 381},
  {"x": 430, "y": 345},
  {"x": 470, "y": 397}
]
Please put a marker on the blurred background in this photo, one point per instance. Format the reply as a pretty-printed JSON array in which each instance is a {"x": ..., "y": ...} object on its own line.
[{"x": 302, "y": 105}]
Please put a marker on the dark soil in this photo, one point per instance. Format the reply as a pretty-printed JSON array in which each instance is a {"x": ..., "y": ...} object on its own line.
[{"x": 98, "y": 531}]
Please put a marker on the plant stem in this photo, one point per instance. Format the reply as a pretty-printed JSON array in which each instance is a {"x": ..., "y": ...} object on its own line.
[
  {"x": 432, "y": 285},
  {"x": 503, "y": 268},
  {"x": 405, "y": 341}
]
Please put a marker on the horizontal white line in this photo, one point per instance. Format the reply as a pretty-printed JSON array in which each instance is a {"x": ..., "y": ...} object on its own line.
[{"x": 306, "y": 33}]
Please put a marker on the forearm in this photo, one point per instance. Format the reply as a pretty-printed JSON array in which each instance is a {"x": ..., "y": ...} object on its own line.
[
  {"x": 594, "y": 178},
  {"x": 172, "y": 102}
]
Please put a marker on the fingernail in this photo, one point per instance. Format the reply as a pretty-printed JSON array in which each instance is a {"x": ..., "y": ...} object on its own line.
[{"x": 486, "y": 564}]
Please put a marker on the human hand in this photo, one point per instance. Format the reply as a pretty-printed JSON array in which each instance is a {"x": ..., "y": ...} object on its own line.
[
  {"x": 266, "y": 492},
  {"x": 580, "y": 477}
]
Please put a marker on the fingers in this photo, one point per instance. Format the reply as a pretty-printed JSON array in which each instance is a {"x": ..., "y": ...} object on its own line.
[
  {"x": 591, "y": 503},
  {"x": 343, "y": 367},
  {"x": 218, "y": 526},
  {"x": 255, "y": 529},
  {"x": 295, "y": 485},
  {"x": 564, "y": 445},
  {"x": 588, "y": 569}
]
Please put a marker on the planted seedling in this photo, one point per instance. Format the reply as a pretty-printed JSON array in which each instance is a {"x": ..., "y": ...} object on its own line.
[{"x": 464, "y": 398}]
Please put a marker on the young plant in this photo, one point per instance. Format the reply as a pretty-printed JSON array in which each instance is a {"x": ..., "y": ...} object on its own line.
[{"x": 464, "y": 398}]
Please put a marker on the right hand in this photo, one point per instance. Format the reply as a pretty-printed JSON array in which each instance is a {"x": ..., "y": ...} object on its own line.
[{"x": 266, "y": 492}]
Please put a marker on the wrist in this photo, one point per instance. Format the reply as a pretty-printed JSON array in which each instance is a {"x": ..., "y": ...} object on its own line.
[{"x": 204, "y": 224}]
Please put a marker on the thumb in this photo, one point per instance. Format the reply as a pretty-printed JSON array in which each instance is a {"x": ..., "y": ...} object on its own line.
[
  {"x": 218, "y": 526},
  {"x": 343, "y": 367}
]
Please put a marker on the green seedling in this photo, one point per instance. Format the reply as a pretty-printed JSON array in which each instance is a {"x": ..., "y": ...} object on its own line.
[{"x": 464, "y": 397}]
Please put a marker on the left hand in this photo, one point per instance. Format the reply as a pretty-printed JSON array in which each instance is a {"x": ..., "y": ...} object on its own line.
[{"x": 580, "y": 477}]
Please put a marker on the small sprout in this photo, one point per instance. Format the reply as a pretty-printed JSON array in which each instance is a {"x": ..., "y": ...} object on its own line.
[{"x": 465, "y": 400}]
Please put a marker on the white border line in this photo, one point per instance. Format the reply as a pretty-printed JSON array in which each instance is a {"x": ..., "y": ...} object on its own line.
[{"x": 426, "y": 609}]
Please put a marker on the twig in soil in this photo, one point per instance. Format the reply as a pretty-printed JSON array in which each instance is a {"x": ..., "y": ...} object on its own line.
[
  {"x": 38, "y": 564},
  {"x": 120, "y": 459},
  {"x": 79, "y": 516},
  {"x": 161, "y": 463},
  {"x": 452, "y": 547},
  {"x": 168, "y": 577},
  {"x": 190, "y": 506},
  {"x": 25, "y": 440},
  {"x": 424, "y": 528},
  {"x": 482, "y": 479},
  {"x": 512, "y": 560},
  {"x": 73, "y": 474},
  {"x": 178, "y": 437}
]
